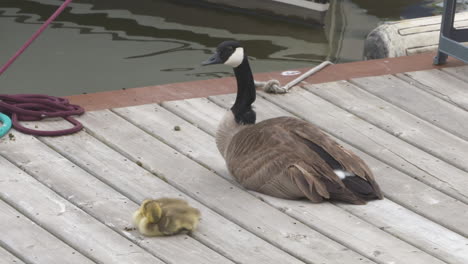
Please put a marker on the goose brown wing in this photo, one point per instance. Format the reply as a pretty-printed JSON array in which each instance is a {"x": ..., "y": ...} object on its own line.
[
  {"x": 318, "y": 186},
  {"x": 275, "y": 157},
  {"x": 331, "y": 150}
]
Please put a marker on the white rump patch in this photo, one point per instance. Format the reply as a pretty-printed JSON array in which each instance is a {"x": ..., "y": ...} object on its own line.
[
  {"x": 236, "y": 58},
  {"x": 343, "y": 174}
]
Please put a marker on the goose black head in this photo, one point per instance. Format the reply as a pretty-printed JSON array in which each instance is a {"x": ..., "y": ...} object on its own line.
[{"x": 228, "y": 52}]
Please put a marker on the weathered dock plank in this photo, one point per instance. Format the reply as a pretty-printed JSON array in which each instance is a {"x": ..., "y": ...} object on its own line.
[
  {"x": 29, "y": 241},
  {"x": 399, "y": 123},
  {"x": 418, "y": 102},
  {"x": 215, "y": 192},
  {"x": 7, "y": 258},
  {"x": 395, "y": 228},
  {"x": 218, "y": 233},
  {"x": 202, "y": 119},
  {"x": 440, "y": 84},
  {"x": 162, "y": 125},
  {"x": 391, "y": 248},
  {"x": 63, "y": 219},
  {"x": 452, "y": 248},
  {"x": 459, "y": 72}
]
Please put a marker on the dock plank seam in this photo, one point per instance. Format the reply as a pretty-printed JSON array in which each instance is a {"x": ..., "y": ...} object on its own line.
[
  {"x": 29, "y": 216},
  {"x": 454, "y": 73},
  {"x": 405, "y": 77},
  {"x": 6, "y": 251},
  {"x": 23, "y": 256},
  {"x": 357, "y": 83}
]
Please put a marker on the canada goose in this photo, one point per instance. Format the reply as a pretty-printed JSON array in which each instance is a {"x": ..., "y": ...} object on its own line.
[
  {"x": 165, "y": 216},
  {"x": 285, "y": 157}
]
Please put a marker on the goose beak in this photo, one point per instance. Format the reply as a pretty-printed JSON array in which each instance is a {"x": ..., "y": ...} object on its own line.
[{"x": 215, "y": 59}]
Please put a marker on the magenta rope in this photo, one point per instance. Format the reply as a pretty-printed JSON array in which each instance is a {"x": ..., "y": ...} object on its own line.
[
  {"x": 34, "y": 36},
  {"x": 32, "y": 107}
]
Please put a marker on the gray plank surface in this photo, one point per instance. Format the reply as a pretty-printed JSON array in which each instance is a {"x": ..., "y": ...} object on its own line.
[
  {"x": 418, "y": 102},
  {"x": 63, "y": 219},
  {"x": 225, "y": 198},
  {"x": 203, "y": 120},
  {"x": 459, "y": 72},
  {"x": 29, "y": 241},
  {"x": 440, "y": 84},
  {"x": 7, "y": 258}
]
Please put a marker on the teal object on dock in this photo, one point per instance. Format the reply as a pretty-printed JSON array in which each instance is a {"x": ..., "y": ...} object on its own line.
[{"x": 6, "y": 124}]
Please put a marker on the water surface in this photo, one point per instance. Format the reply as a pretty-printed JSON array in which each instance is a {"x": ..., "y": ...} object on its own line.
[{"x": 98, "y": 45}]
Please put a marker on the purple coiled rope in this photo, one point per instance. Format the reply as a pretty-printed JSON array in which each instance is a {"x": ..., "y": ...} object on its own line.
[{"x": 33, "y": 107}]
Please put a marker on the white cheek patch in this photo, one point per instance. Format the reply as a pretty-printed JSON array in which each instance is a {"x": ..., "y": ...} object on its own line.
[{"x": 236, "y": 58}]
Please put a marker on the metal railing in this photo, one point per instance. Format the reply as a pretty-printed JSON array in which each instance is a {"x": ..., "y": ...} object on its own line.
[{"x": 451, "y": 38}]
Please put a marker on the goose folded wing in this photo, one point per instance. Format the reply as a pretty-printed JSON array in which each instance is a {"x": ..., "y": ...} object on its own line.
[{"x": 336, "y": 155}]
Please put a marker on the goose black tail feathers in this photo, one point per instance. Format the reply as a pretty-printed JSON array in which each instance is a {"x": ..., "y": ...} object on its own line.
[{"x": 360, "y": 187}]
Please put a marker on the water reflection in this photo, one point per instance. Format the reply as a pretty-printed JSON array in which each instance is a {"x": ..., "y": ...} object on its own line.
[{"x": 98, "y": 45}]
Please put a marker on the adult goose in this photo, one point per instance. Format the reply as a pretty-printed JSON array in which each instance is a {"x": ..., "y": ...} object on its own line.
[{"x": 285, "y": 157}]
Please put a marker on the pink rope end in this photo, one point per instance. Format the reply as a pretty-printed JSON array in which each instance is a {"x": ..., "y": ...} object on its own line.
[{"x": 34, "y": 36}]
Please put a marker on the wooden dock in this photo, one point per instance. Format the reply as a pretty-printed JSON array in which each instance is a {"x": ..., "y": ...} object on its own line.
[{"x": 70, "y": 199}]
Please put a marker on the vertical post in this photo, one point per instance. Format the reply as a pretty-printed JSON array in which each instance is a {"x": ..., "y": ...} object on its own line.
[{"x": 446, "y": 29}]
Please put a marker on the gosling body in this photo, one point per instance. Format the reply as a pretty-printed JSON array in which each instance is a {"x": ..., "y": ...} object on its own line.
[{"x": 165, "y": 216}]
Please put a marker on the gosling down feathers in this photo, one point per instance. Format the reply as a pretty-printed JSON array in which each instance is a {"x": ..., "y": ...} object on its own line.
[
  {"x": 285, "y": 157},
  {"x": 165, "y": 217}
]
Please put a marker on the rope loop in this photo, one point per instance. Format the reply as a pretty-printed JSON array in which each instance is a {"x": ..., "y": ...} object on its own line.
[
  {"x": 34, "y": 107},
  {"x": 274, "y": 86},
  {"x": 271, "y": 86}
]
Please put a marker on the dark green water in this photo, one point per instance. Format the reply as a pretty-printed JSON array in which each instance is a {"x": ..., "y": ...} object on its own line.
[{"x": 98, "y": 45}]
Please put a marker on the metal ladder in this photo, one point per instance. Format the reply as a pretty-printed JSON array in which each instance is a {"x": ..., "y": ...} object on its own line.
[{"x": 450, "y": 38}]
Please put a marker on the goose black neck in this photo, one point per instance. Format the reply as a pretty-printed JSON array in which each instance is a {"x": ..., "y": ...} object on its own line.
[{"x": 242, "y": 108}]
